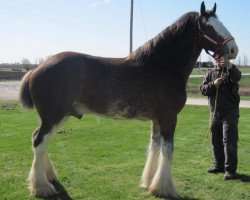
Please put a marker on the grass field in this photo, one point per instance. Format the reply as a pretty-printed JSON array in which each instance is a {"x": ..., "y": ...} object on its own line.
[{"x": 102, "y": 159}]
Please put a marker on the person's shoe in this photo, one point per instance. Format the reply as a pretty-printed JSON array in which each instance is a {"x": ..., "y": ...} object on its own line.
[
  {"x": 230, "y": 176},
  {"x": 215, "y": 170}
]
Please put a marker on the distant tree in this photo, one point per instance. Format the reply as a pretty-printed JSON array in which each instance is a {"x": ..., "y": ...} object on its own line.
[
  {"x": 245, "y": 60},
  {"x": 49, "y": 56},
  {"x": 198, "y": 64},
  {"x": 38, "y": 61},
  {"x": 26, "y": 64},
  {"x": 208, "y": 64},
  {"x": 239, "y": 63}
]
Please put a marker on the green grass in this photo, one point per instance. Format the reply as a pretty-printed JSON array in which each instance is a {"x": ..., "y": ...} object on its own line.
[{"x": 99, "y": 158}]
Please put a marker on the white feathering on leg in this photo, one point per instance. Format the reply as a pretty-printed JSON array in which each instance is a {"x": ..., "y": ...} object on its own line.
[
  {"x": 38, "y": 182},
  {"x": 162, "y": 183},
  {"x": 49, "y": 168},
  {"x": 151, "y": 164}
]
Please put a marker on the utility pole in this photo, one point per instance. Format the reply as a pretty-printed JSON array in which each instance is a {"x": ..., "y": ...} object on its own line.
[{"x": 131, "y": 26}]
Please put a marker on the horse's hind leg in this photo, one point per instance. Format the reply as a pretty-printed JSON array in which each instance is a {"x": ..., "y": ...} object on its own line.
[
  {"x": 38, "y": 181},
  {"x": 153, "y": 155}
]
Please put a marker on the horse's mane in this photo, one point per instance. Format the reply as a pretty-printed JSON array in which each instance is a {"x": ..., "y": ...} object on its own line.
[{"x": 168, "y": 35}]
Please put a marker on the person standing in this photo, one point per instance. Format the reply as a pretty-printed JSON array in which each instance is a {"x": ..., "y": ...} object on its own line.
[{"x": 221, "y": 86}]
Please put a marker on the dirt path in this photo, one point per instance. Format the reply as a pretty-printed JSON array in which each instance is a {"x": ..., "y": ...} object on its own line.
[{"x": 9, "y": 90}]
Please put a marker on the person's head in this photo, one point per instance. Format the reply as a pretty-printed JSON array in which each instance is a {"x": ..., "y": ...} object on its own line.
[{"x": 218, "y": 62}]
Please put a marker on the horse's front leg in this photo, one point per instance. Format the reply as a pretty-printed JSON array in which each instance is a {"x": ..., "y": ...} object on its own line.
[
  {"x": 153, "y": 155},
  {"x": 162, "y": 183}
]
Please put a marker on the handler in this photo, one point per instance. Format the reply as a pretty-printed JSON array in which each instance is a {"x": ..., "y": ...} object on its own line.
[{"x": 224, "y": 116}]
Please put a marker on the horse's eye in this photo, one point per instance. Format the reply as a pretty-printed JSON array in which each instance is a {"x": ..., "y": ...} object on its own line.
[{"x": 209, "y": 26}]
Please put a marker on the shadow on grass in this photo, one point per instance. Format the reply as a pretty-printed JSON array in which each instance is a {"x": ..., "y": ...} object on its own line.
[
  {"x": 62, "y": 193},
  {"x": 180, "y": 198},
  {"x": 187, "y": 198},
  {"x": 168, "y": 198},
  {"x": 244, "y": 178}
]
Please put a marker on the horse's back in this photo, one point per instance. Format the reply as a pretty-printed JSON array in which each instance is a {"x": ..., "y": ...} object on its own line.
[{"x": 68, "y": 78}]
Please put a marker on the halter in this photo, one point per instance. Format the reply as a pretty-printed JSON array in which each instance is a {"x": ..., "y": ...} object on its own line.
[{"x": 218, "y": 44}]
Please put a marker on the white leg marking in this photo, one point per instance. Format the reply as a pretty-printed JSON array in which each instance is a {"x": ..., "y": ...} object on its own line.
[
  {"x": 151, "y": 164},
  {"x": 49, "y": 168},
  {"x": 38, "y": 182},
  {"x": 152, "y": 159},
  {"x": 162, "y": 183}
]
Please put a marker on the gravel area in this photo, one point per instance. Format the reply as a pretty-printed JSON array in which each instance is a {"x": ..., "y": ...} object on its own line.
[{"x": 9, "y": 90}]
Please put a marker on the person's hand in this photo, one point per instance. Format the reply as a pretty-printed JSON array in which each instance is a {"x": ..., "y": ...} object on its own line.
[
  {"x": 218, "y": 82},
  {"x": 226, "y": 63}
]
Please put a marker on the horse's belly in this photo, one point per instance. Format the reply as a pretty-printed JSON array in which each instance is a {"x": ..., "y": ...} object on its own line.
[{"x": 112, "y": 111}]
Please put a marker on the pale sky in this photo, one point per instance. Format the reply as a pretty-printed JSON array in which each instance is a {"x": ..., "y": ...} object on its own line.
[{"x": 37, "y": 29}]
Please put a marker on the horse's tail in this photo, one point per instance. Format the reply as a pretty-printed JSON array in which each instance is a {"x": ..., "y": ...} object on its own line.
[{"x": 24, "y": 94}]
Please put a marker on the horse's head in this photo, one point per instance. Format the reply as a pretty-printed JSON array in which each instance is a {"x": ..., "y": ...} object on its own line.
[{"x": 213, "y": 35}]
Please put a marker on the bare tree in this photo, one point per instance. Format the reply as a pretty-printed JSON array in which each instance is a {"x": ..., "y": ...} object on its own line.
[
  {"x": 239, "y": 61},
  {"x": 49, "y": 56},
  {"x": 38, "y": 61},
  {"x": 245, "y": 60},
  {"x": 26, "y": 64}
]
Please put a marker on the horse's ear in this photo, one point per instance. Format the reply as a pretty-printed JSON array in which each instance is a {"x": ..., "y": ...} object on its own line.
[
  {"x": 203, "y": 8},
  {"x": 214, "y": 9}
]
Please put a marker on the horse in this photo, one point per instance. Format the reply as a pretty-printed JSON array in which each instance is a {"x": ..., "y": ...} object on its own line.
[{"x": 148, "y": 84}]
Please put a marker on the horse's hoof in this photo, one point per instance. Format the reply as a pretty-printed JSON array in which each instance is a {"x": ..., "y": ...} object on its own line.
[
  {"x": 44, "y": 190},
  {"x": 164, "y": 192},
  {"x": 144, "y": 185}
]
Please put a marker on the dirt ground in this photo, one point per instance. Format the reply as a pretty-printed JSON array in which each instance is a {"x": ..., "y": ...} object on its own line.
[{"x": 9, "y": 90}]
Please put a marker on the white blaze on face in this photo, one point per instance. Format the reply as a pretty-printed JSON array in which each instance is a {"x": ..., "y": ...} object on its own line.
[
  {"x": 218, "y": 27},
  {"x": 221, "y": 30}
]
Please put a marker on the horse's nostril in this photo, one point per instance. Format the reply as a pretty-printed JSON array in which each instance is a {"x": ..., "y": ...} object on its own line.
[{"x": 232, "y": 51}]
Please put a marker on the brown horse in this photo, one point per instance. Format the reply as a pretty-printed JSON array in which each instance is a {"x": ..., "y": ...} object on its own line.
[{"x": 148, "y": 84}]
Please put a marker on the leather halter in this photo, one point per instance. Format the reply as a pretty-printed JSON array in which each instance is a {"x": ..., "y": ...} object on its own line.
[{"x": 218, "y": 44}]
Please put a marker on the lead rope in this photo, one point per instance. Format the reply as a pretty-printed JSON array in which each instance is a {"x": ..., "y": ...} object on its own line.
[{"x": 215, "y": 108}]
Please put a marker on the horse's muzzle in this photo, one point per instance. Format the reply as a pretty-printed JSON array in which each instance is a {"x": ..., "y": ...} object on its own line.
[{"x": 230, "y": 50}]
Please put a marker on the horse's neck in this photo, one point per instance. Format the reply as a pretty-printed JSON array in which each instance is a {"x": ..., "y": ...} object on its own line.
[
  {"x": 176, "y": 48},
  {"x": 173, "y": 50},
  {"x": 182, "y": 53}
]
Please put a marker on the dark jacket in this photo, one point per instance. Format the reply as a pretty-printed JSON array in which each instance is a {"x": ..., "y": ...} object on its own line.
[{"x": 228, "y": 98}]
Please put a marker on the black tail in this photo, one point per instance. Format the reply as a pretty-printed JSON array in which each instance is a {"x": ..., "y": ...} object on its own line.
[{"x": 24, "y": 94}]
